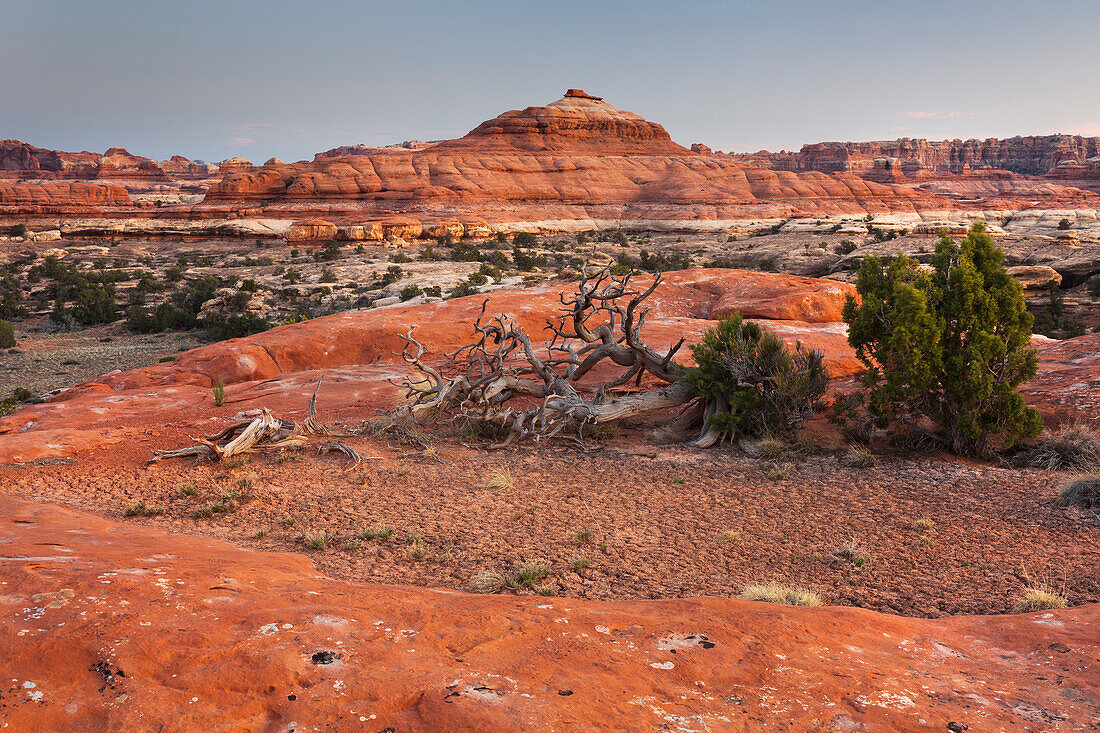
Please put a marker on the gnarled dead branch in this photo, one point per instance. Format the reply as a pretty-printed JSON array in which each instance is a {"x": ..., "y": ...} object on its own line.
[
  {"x": 504, "y": 380},
  {"x": 263, "y": 434}
]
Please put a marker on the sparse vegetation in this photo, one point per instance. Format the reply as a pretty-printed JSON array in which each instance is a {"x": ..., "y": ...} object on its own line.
[
  {"x": 1074, "y": 447},
  {"x": 7, "y": 335},
  {"x": 416, "y": 550},
  {"x": 135, "y": 510},
  {"x": 1041, "y": 598},
  {"x": 1082, "y": 490},
  {"x": 318, "y": 539},
  {"x": 850, "y": 553},
  {"x": 382, "y": 532},
  {"x": 218, "y": 390},
  {"x": 778, "y": 593},
  {"x": 924, "y": 524},
  {"x": 857, "y": 455},
  {"x": 500, "y": 481},
  {"x": 487, "y": 581},
  {"x": 530, "y": 572}
]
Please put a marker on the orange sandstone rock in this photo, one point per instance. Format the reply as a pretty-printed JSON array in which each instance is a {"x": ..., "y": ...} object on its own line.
[{"x": 112, "y": 626}]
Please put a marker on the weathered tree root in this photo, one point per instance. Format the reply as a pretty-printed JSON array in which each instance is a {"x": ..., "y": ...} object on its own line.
[{"x": 264, "y": 434}]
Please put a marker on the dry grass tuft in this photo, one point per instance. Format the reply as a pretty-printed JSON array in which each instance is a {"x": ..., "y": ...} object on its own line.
[
  {"x": 858, "y": 456},
  {"x": 924, "y": 524},
  {"x": 530, "y": 572},
  {"x": 1081, "y": 490},
  {"x": 850, "y": 553},
  {"x": 317, "y": 540},
  {"x": 1075, "y": 447},
  {"x": 381, "y": 532},
  {"x": 778, "y": 593},
  {"x": 1042, "y": 598},
  {"x": 487, "y": 581},
  {"x": 727, "y": 536},
  {"x": 500, "y": 481},
  {"x": 416, "y": 550}
]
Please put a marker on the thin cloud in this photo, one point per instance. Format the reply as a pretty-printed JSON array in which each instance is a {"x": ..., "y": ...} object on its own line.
[{"x": 241, "y": 141}]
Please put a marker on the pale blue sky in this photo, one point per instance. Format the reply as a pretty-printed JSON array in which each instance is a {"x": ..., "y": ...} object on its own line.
[{"x": 212, "y": 79}]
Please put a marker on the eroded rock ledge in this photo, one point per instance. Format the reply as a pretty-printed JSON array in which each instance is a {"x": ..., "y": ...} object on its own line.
[{"x": 113, "y": 626}]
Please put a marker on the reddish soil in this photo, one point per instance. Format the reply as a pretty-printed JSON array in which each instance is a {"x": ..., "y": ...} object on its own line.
[
  {"x": 109, "y": 626},
  {"x": 655, "y": 521}
]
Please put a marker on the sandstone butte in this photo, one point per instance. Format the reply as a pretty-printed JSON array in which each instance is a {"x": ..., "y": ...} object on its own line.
[
  {"x": 132, "y": 628},
  {"x": 577, "y": 163}
]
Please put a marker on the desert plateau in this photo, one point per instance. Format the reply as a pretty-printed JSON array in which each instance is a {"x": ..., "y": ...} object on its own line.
[{"x": 559, "y": 424}]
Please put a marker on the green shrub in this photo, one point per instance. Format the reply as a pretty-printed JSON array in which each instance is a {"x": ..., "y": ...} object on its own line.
[
  {"x": 218, "y": 327},
  {"x": 526, "y": 262},
  {"x": 1064, "y": 224},
  {"x": 11, "y": 296},
  {"x": 95, "y": 304},
  {"x": 768, "y": 264},
  {"x": 757, "y": 385},
  {"x": 410, "y": 291},
  {"x": 525, "y": 239},
  {"x": 951, "y": 346},
  {"x": 329, "y": 253},
  {"x": 463, "y": 289},
  {"x": 7, "y": 335},
  {"x": 465, "y": 252}
]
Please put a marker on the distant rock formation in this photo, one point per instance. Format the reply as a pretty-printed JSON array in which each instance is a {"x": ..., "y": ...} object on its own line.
[
  {"x": 1035, "y": 155},
  {"x": 573, "y": 158},
  {"x": 59, "y": 197},
  {"x": 580, "y": 163}
]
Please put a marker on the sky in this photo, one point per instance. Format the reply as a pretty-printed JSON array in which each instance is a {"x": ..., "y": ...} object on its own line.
[{"x": 215, "y": 79}]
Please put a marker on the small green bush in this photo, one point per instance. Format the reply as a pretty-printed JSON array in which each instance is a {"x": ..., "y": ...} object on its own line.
[
  {"x": 7, "y": 335},
  {"x": 756, "y": 385}
]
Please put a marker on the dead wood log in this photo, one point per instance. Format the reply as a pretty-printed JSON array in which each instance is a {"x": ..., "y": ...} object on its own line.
[{"x": 263, "y": 434}]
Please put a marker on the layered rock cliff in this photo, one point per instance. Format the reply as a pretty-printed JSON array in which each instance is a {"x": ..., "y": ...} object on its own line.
[
  {"x": 1034, "y": 155},
  {"x": 567, "y": 159}
]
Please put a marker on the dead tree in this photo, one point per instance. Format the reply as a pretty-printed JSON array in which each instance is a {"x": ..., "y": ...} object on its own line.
[
  {"x": 264, "y": 434},
  {"x": 503, "y": 380}
]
